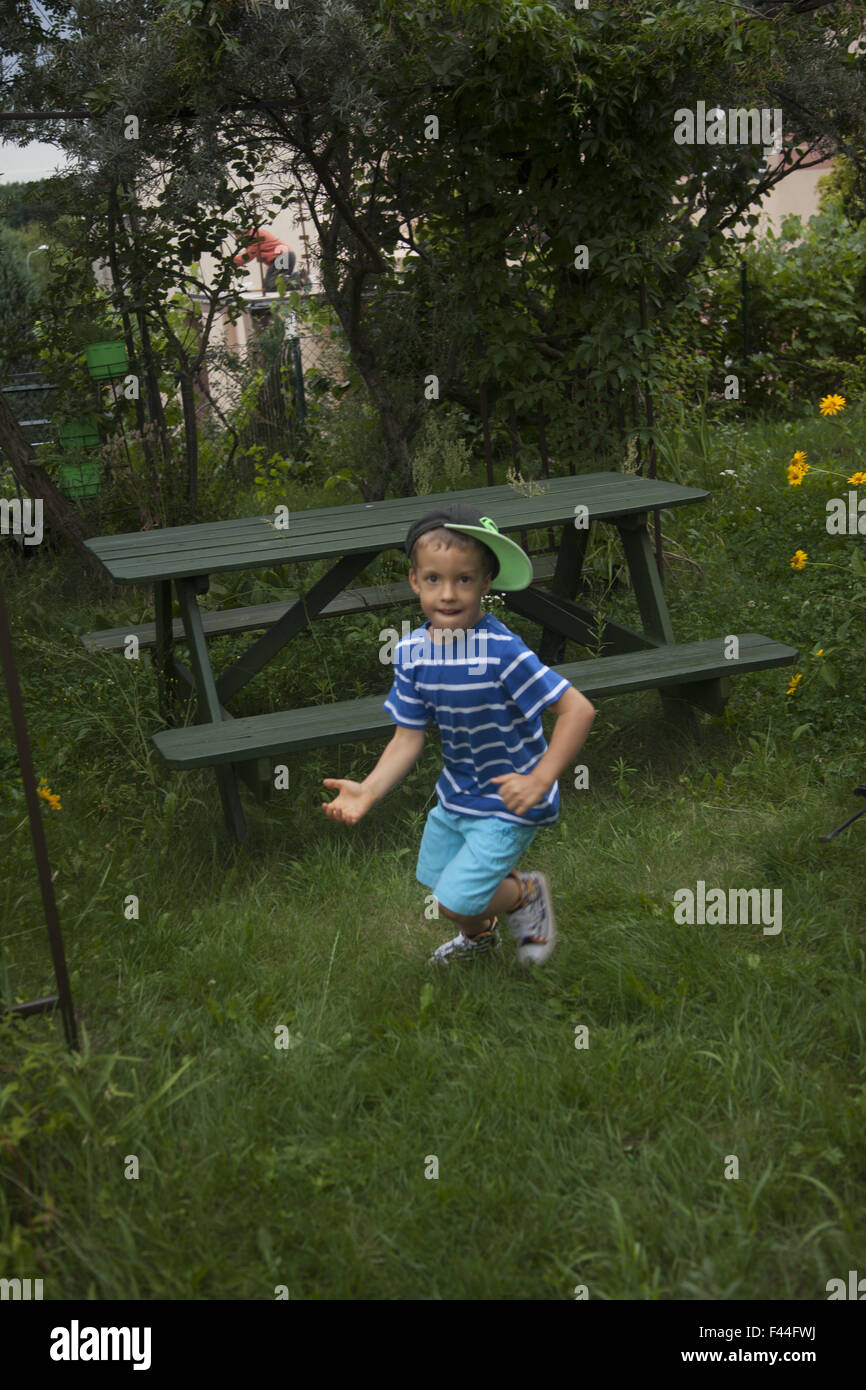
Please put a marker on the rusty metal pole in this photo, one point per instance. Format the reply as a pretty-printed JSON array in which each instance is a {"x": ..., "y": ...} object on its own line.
[{"x": 37, "y": 831}]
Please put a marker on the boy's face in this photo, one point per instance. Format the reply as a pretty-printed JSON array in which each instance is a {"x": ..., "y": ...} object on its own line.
[{"x": 449, "y": 584}]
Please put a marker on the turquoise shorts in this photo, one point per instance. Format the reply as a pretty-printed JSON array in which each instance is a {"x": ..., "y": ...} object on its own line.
[{"x": 465, "y": 858}]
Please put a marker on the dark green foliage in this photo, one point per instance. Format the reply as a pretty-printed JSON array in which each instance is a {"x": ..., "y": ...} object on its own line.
[
  {"x": 24, "y": 203},
  {"x": 15, "y": 299},
  {"x": 807, "y": 309},
  {"x": 555, "y": 132}
]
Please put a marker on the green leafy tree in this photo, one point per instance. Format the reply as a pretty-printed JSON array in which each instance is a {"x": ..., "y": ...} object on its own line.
[
  {"x": 807, "y": 288},
  {"x": 23, "y": 204},
  {"x": 555, "y": 132},
  {"x": 845, "y": 184},
  {"x": 16, "y": 300}
]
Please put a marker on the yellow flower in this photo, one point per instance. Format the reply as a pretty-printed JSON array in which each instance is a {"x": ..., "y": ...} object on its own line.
[
  {"x": 799, "y": 459},
  {"x": 820, "y": 652},
  {"x": 797, "y": 472},
  {"x": 856, "y": 479},
  {"x": 795, "y": 681},
  {"x": 799, "y": 560},
  {"x": 44, "y": 791},
  {"x": 831, "y": 405}
]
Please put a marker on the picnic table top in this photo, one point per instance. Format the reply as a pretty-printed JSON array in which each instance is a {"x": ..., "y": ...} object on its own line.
[{"x": 253, "y": 542}]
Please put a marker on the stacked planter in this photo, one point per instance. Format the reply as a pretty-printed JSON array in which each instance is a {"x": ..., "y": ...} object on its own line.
[
  {"x": 80, "y": 480},
  {"x": 105, "y": 361}
]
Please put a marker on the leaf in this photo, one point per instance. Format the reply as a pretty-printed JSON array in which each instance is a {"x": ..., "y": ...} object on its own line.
[
  {"x": 263, "y": 1240},
  {"x": 828, "y": 675},
  {"x": 166, "y": 1086},
  {"x": 427, "y": 993}
]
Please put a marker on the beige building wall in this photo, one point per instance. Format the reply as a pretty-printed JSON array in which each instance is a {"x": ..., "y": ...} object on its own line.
[
  {"x": 289, "y": 226},
  {"x": 796, "y": 194}
]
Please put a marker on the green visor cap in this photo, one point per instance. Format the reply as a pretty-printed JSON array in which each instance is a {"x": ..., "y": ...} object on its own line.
[{"x": 515, "y": 566}]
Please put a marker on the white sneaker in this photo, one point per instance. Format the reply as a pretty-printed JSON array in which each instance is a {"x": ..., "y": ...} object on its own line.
[
  {"x": 533, "y": 925},
  {"x": 468, "y": 948}
]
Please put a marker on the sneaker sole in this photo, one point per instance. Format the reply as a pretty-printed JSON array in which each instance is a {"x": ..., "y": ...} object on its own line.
[
  {"x": 537, "y": 955},
  {"x": 471, "y": 954}
]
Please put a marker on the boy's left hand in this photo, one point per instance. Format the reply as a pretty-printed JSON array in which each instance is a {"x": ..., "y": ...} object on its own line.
[{"x": 521, "y": 791}]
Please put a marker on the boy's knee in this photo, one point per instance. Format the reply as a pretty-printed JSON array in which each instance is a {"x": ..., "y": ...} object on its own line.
[
  {"x": 446, "y": 911},
  {"x": 458, "y": 917}
]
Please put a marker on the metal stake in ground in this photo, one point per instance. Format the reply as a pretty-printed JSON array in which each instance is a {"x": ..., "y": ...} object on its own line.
[
  {"x": 37, "y": 831},
  {"x": 858, "y": 791}
]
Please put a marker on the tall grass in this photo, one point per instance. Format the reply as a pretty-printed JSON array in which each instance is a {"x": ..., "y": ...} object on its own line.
[{"x": 310, "y": 1165}]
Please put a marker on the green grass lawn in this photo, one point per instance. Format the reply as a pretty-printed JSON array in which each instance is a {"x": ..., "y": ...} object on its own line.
[{"x": 311, "y": 1166}]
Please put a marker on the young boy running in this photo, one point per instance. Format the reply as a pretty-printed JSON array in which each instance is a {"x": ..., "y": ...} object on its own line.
[{"x": 485, "y": 690}]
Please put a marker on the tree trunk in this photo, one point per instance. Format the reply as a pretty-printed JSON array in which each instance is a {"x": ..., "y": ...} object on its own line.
[
  {"x": 395, "y": 470},
  {"x": 35, "y": 481},
  {"x": 128, "y": 337},
  {"x": 151, "y": 373},
  {"x": 190, "y": 425}
]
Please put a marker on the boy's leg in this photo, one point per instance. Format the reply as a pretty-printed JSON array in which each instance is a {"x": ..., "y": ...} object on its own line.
[
  {"x": 480, "y": 881},
  {"x": 505, "y": 899},
  {"x": 483, "y": 880}
]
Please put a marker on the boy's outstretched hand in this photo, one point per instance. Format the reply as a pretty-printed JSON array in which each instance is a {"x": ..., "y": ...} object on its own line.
[{"x": 352, "y": 803}]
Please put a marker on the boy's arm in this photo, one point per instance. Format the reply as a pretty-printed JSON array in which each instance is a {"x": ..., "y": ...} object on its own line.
[
  {"x": 574, "y": 716},
  {"x": 399, "y": 757},
  {"x": 356, "y": 798},
  {"x": 574, "y": 719}
]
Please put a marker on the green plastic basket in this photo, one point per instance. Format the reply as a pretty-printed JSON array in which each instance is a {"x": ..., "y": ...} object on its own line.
[
  {"x": 80, "y": 434},
  {"x": 80, "y": 479},
  {"x": 106, "y": 359}
]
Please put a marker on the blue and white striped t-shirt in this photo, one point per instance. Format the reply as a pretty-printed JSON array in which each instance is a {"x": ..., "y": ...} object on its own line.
[{"x": 485, "y": 690}]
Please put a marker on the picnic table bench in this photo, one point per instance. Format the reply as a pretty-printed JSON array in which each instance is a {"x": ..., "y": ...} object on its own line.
[{"x": 686, "y": 674}]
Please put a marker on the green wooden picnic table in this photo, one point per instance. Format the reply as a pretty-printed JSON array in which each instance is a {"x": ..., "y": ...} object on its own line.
[{"x": 693, "y": 673}]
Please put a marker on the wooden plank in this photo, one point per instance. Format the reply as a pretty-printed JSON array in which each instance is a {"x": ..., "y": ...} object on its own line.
[
  {"x": 596, "y": 490},
  {"x": 260, "y": 616},
  {"x": 566, "y": 582},
  {"x": 326, "y": 533},
  {"x": 385, "y": 524},
  {"x": 254, "y": 617},
  {"x": 257, "y": 775},
  {"x": 352, "y": 720},
  {"x": 711, "y": 696},
  {"x": 646, "y": 582},
  {"x": 576, "y": 622},
  {"x": 163, "y": 641},
  {"x": 299, "y": 616}
]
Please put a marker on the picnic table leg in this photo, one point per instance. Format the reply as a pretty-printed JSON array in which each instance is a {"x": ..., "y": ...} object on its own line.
[
  {"x": 653, "y": 609},
  {"x": 163, "y": 652},
  {"x": 293, "y": 621},
  {"x": 645, "y": 579},
  {"x": 256, "y": 775},
  {"x": 208, "y": 709},
  {"x": 566, "y": 582}
]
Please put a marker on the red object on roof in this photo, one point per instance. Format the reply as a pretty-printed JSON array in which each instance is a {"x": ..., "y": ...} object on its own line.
[{"x": 263, "y": 247}]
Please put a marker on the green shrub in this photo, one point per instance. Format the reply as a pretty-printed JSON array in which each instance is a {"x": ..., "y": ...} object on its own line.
[
  {"x": 441, "y": 459},
  {"x": 807, "y": 288}
]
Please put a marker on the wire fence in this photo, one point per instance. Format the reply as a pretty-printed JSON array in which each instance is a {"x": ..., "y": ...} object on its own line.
[
  {"x": 30, "y": 397},
  {"x": 266, "y": 383},
  {"x": 259, "y": 388}
]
